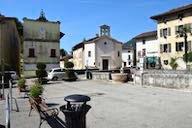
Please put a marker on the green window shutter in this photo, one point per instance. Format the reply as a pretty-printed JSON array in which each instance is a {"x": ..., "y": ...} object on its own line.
[
  {"x": 169, "y": 47},
  {"x": 169, "y": 31},
  {"x": 161, "y": 32},
  {"x": 176, "y": 30},
  {"x": 176, "y": 46},
  {"x": 161, "y": 48}
]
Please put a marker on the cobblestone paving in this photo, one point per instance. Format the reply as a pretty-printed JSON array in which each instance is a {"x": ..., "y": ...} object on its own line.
[{"x": 114, "y": 105}]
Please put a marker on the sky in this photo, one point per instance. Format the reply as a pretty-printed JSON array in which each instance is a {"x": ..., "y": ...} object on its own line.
[{"x": 81, "y": 18}]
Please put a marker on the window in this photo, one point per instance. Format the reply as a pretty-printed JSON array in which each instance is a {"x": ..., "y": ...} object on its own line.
[
  {"x": 180, "y": 16},
  {"x": 165, "y": 32},
  {"x": 165, "y": 48},
  {"x": 166, "y": 62},
  {"x": 58, "y": 70},
  {"x": 31, "y": 52},
  {"x": 139, "y": 53},
  {"x": 118, "y": 53},
  {"x": 143, "y": 41},
  {"x": 144, "y": 52},
  {"x": 129, "y": 57},
  {"x": 180, "y": 28},
  {"x": 129, "y": 63},
  {"x": 89, "y": 53},
  {"x": 125, "y": 64},
  {"x": 179, "y": 46},
  {"x": 53, "y": 53},
  {"x": 129, "y": 51},
  {"x": 105, "y": 43}
]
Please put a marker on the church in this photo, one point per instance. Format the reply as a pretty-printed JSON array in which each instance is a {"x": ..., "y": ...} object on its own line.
[{"x": 102, "y": 52}]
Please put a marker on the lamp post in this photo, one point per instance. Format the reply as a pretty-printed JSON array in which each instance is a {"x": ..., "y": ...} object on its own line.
[
  {"x": 2, "y": 60},
  {"x": 184, "y": 33}
]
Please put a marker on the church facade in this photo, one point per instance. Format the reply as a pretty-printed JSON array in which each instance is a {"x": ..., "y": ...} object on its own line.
[{"x": 102, "y": 52}]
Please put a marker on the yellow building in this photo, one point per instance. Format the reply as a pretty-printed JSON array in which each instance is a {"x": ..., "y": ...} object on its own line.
[
  {"x": 171, "y": 42},
  {"x": 10, "y": 42},
  {"x": 41, "y": 44}
]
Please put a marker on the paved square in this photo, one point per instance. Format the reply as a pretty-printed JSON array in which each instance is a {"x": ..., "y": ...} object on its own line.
[{"x": 114, "y": 105}]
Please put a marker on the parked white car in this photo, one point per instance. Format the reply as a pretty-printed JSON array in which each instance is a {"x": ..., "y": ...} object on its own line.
[{"x": 56, "y": 74}]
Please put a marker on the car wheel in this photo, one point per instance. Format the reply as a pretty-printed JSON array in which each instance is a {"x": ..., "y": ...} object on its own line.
[{"x": 55, "y": 78}]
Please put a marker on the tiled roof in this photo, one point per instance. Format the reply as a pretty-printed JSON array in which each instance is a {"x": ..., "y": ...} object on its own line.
[
  {"x": 172, "y": 11},
  {"x": 77, "y": 46},
  {"x": 81, "y": 44},
  {"x": 146, "y": 34}
]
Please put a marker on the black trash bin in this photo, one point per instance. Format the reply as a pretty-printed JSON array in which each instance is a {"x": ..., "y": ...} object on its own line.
[{"x": 75, "y": 110}]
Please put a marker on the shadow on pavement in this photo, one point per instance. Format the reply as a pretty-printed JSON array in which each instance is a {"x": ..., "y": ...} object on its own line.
[
  {"x": 51, "y": 104},
  {"x": 56, "y": 122},
  {"x": 2, "y": 126}
]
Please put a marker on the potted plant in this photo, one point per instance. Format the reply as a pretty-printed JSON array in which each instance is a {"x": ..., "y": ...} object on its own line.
[
  {"x": 69, "y": 73},
  {"x": 21, "y": 84},
  {"x": 41, "y": 73},
  {"x": 35, "y": 92}
]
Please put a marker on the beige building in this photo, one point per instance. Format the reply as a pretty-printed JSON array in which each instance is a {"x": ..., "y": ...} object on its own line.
[
  {"x": 10, "y": 42},
  {"x": 78, "y": 56},
  {"x": 147, "y": 50},
  {"x": 41, "y": 44},
  {"x": 102, "y": 52},
  {"x": 171, "y": 42}
]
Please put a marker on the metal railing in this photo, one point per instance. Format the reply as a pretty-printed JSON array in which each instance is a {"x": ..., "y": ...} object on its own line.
[
  {"x": 9, "y": 105},
  {"x": 7, "y": 111}
]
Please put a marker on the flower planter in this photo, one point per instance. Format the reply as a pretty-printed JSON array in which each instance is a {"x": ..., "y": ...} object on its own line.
[{"x": 119, "y": 77}]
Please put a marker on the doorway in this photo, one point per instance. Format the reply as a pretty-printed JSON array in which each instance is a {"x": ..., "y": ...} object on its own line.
[{"x": 105, "y": 64}]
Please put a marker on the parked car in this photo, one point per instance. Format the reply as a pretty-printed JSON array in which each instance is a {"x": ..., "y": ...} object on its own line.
[
  {"x": 14, "y": 75},
  {"x": 9, "y": 75},
  {"x": 56, "y": 74}
]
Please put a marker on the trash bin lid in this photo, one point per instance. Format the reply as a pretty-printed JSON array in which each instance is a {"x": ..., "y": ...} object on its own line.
[{"x": 77, "y": 98}]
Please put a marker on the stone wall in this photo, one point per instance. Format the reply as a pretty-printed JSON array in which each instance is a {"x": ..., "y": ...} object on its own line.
[
  {"x": 164, "y": 78},
  {"x": 100, "y": 75}
]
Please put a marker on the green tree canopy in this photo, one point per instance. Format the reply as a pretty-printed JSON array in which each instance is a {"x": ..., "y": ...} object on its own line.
[
  {"x": 63, "y": 52},
  {"x": 189, "y": 57}
]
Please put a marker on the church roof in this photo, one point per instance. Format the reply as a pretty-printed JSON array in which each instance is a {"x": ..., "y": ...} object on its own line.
[{"x": 91, "y": 40}]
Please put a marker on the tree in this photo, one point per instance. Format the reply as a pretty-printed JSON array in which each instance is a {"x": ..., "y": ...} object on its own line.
[
  {"x": 41, "y": 73},
  {"x": 69, "y": 73},
  {"x": 173, "y": 63},
  {"x": 63, "y": 52},
  {"x": 189, "y": 57},
  {"x": 69, "y": 64}
]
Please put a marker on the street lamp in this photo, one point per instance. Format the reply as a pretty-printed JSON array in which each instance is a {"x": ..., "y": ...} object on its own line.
[
  {"x": 183, "y": 32},
  {"x": 2, "y": 59}
]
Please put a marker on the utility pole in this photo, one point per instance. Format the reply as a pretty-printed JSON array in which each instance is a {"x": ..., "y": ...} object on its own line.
[
  {"x": 183, "y": 32},
  {"x": 2, "y": 61},
  {"x": 186, "y": 47}
]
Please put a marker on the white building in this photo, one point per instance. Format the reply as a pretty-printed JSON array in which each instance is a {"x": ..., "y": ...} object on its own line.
[
  {"x": 102, "y": 52},
  {"x": 147, "y": 50},
  {"x": 41, "y": 44},
  {"x": 127, "y": 56}
]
